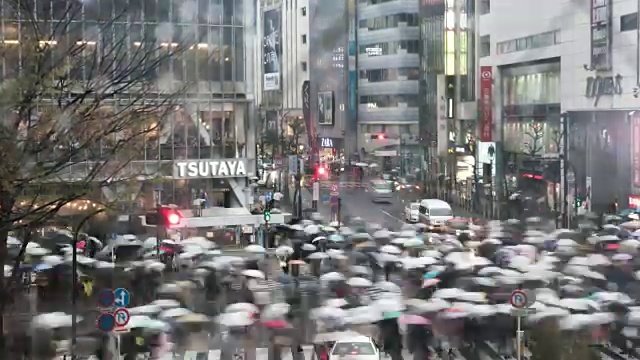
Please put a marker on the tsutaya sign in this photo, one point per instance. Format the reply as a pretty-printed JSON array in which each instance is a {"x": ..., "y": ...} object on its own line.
[{"x": 209, "y": 168}]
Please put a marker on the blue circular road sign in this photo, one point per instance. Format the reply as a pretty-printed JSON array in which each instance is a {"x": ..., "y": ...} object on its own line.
[
  {"x": 106, "y": 298},
  {"x": 106, "y": 322},
  {"x": 122, "y": 297}
]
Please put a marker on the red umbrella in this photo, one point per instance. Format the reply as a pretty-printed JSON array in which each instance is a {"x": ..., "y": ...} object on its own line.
[{"x": 275, "y": 324}]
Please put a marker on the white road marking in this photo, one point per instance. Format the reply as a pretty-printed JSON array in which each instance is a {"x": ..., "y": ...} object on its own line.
[{"x": 391, "y": 216}]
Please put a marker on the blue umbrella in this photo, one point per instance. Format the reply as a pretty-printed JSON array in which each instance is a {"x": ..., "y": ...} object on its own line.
[
  {"x": 430, "y": 275},
  {"x": 42, "y": 267}
]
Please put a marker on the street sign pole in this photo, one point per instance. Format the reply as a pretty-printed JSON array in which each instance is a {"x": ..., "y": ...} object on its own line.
[
  {"x": 521, "y": 300},
  {"x": 339, "y": 209},
  {"x": 316, "y": 196}
]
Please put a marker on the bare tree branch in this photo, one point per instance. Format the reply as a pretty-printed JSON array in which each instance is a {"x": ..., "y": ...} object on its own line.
[
  {"x": 534, "y": 146},
  {"x": 80, "y": 107}
]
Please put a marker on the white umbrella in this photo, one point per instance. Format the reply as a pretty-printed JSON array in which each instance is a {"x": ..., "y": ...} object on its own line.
[
  {"x": 390, "y": 249},
  {"x": 254, "y": 274},
  {"x": 255, "y": 249},
  {"x": 241, "y": 318},
  {"x": 319, "y": 238},
  {"x": 335, "y": 303},
  {"x": 359, "y": 282},
  {"x": 174, "y": 313},
  {"x": 448, "y": 293},
  {"x": 598, "y": 260},
  {"x": 312, "y": 229},
  {"x": 328, "y": 313},
  {"x": 241, "y": 307},
  {"x": 388, "y": 286},
  {"x": 145, "y": 310},
  {"x": 53, "y": 320},
  {"x": 166, "y": 303},
  {"x": 52, "y": 260},
  {"x": 317, "y": 256},
  {"x": 275, "y": 311},
  {"x": 414, "y": 242},
  {"x": 36, "y": 251},
  {"x": 332, "y": 276},
  {"x": 548, "y": 312},
  {"x": 13, "y": 241},
  {"x": 308, "y": 247}
]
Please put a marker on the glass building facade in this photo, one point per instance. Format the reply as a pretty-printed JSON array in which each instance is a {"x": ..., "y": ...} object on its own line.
[
  {"x": 211, "y": 118},
  {"x": 437, "y": 35}
]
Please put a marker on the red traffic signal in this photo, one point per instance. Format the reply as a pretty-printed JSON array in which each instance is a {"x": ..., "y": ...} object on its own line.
[
  {"x": 321, "y": 170},
  {"x": 380, "y": 136},
  {"x": 165, "y": 216}
]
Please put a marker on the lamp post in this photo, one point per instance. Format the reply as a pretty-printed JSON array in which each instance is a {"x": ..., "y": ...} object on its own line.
[{"x": 74, "y": 281}]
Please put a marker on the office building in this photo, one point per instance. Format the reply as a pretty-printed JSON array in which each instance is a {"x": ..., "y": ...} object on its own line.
[
  {"x": 210, "y": 131},
  {"x": 576, "y": 62},
  {"x": 388, "y": 63},
  {"x": 282, "y": 46}
]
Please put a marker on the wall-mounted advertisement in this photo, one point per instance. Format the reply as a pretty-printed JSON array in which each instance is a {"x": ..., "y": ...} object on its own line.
[
  {"x": 271, "y": 49},
  {"x": 325, "y": 108},
  {"x": 601, "y": 34},
  {"x": 306, "y": 113}
]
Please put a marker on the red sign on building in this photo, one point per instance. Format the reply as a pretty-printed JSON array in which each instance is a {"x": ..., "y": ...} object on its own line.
[
  {"x": 486, "y": 104},
  {"x": 635, "y": 138}
]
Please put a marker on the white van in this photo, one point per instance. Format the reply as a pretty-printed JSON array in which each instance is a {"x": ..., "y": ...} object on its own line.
[
  {"x": 412, "y": 213},
  {"x": 381, "y": 191},
  {"x": 435, "y": 213}
]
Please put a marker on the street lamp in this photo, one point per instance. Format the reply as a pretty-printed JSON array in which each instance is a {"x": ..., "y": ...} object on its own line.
[{"x": 74, "y": 281}]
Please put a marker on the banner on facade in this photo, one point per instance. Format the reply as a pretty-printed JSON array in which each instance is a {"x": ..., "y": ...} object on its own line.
[
  {"x": 601, "y": 34},
  {"x": 271, "y": 49},
  {"x": 635, "y": 138},
  {"x": 486, "y": 104},
  {"x": 271, "y": 124},
  {"x": 306, "y": 113},
  {"x": 325, "y": 108}
]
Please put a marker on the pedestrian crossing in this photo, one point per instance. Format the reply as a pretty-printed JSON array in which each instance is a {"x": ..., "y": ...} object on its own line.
[
  {"x": 340, "y": 184},
  {"x": 261, "y": 354}
]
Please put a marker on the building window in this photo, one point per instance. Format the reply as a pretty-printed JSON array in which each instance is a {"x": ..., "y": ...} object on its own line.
[
  {"x": 304, "y": 39},
  {"x": 389, "y": 21},
  {"x": 485, "y": 7},
  {"x": 629, "y": 22},
  {"x": 304, "y": 66},
  {"x": 549, "y": 38},
  {"x": 304, "y": 11},
  {"x": 485, "y": 45}
]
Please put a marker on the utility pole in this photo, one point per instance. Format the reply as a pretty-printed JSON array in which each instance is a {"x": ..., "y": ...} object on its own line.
[
  {"x": 457, "y": 89},
  {"x": 298, "y": 180},
  {"x": 564, "y": 154}
]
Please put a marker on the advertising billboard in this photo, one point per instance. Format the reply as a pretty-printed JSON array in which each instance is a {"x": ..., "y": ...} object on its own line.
[
  {"x": 329, "y": 67},
  {"x": 486, "y": 103},
  {"x": 271, "y": 49}
]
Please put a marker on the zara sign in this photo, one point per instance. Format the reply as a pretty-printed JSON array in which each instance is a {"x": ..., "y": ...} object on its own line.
[{"x": 218, "y": 168}]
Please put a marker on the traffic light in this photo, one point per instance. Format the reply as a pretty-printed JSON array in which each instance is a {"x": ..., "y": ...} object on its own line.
[
  {"x": 321, "y": 172},
  {"x": 267, "y": 211},
  {"x": 378, "y": 136},
  {"x": 164, "y": 216}
]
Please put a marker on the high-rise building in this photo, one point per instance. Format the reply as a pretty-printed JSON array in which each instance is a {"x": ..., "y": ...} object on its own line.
[
  {"x": 282, "y": 46},
  {"x": 328, "y": 76},
  {"x": 388, "y": 61},
  {"x": 212, "y": 123}
]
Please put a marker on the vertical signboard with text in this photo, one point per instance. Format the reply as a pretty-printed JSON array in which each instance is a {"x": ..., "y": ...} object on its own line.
[
  {"x": 635, "y": 156},
  {"x": 271, "y": 49},
  {"x": 306, "y": 113},
  {"x": 486, "y": 104},
  {"x": 601, "y": 34}
]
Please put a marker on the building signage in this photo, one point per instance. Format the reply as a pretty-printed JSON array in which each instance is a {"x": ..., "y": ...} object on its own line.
[
  {"x": 306, "y": 113},
  {"x": 598, "y": 86},
  {"x": 326, "y": 142},
  {"x": 325, "y": 108},
  {"x": 601, "y": 34},
  {"x": 635, "y": 138},
  {"x": 219, "y": 168},
  {"x": 271, "y": 49},
  {"x": 486, "y": 103}
]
